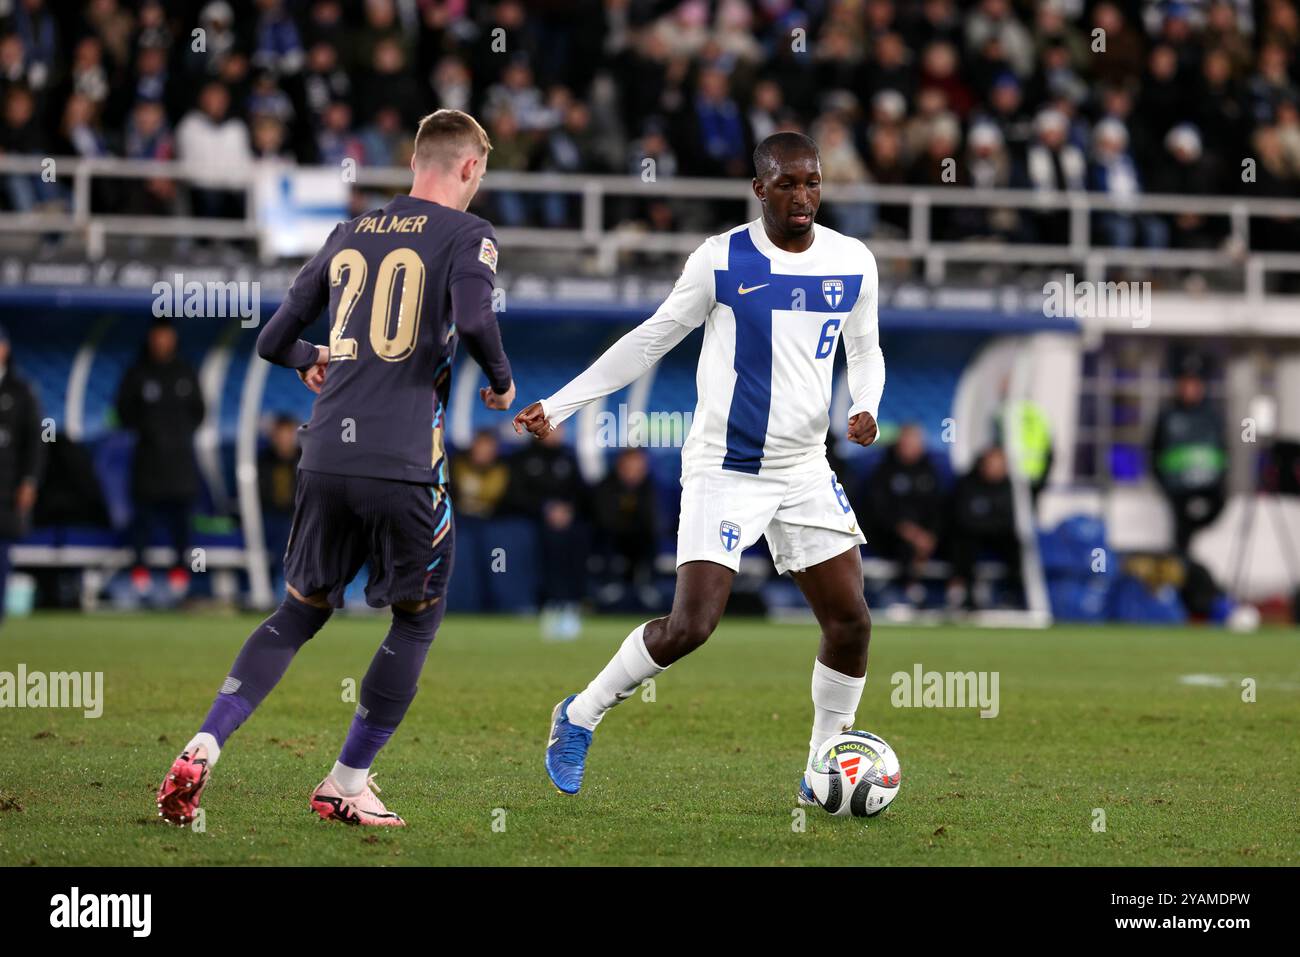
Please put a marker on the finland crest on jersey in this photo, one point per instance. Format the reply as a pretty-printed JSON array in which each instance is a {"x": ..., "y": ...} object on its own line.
[{"x": 773, "y": 321}]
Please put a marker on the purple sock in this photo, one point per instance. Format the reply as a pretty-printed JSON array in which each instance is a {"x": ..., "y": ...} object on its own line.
[
  {"x": 390, "y": 684},
  {"x": 363, "y": 743},
  {"x": 227, "y": 713},
  {"x": 261, "y": 664}
]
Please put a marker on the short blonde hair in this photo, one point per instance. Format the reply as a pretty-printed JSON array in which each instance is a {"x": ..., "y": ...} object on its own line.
[{"x": 444, "y": 136}]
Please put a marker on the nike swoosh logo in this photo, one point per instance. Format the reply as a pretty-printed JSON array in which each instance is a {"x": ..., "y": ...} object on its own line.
[
  {"x": 743, "y": 291},
  {"x": 853, "y": 527},
  {"x": 552, "y": 742}
]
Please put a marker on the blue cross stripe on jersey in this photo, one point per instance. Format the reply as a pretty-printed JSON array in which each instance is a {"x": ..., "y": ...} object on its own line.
[{"x": 753, "y": 292}]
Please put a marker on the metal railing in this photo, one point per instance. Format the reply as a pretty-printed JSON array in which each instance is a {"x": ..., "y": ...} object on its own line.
[{"x": 604, "y": 243}]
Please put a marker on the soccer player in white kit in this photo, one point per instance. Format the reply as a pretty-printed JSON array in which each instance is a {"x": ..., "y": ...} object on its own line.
[{"x": 775, "y": 296}]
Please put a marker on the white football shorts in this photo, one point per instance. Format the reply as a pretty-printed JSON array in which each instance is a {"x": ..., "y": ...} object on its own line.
[{"x": 805, "y": 516}]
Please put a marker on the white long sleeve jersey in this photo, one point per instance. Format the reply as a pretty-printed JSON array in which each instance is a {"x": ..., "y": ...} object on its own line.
[{"x": 771, "y": 320}]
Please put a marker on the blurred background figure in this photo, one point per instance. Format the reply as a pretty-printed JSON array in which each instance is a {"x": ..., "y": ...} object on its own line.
[
  {"x": 626, "y": 527},
  {"x": 905, "y": 501},
  {"x": 22, "y": 456},
  {"x": 983, "y": 525},
  {"x": 160, "y": 402},
  {"x": 546, "y": 486},
  {"x": 1030, "y": 439},
  {"x": 1188, "y": 453},
  {"x": 479, "y": 478},
  {"x": 217, "y": 145},
  {"x": 277, "y": 482}
]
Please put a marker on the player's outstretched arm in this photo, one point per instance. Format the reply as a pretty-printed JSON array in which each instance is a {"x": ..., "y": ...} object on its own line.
[
  {"x": 471, "y": 282},
  {"x": 866, "y": 362},
  {"x": 476, "y": 324},
  {"x": 279, "y": 340},
  {"x": 686, "y": 307}
]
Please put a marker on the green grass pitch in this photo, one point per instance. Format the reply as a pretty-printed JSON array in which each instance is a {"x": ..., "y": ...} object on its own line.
[{"x": 1185, "y": 773}]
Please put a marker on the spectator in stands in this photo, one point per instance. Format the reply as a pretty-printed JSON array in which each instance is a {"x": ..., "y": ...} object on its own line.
[
  {"x": 1275, "y": 176},
  {"x": 892, "y": 68},
  {"x": 22, "y": 456},
  {"x": 160, "y": 402},
  {"x": 1165, "y": 97},
  {"x": 1052, "y": 163},
  {"x": 21, "y": 134},
  {"x": 88, "y": 77},
  {"x": 33, "y": 22},
  {"x": 766, "y": 110},
  {"x": 994, "y": 19},
  {"x": 905, "y": 500},
  {"x": 1271, "y": 84},
  {"x": 216, "y": 147},
  {"x": 520, "y": 96},
  {"x": 1006, "y": 112},
  {"x": 154, "y": 28},
  {"x": 938, "y": 166},
  {"x": 385, "y": 141},
  {"x": 1185, "y": 171},
  {"x": 1220, "y": 115},
  {"x": 277, "y": 483},
  {"x": 278, "y": 46},
  {"x": 989, "y": 167},
  {"x": 480, "y": 478},
  {"x": 570, "y": 148},
  {"x": 269, "y": 140},
  {"x": 324, "y": 81},
  {"x": 335, "y": 142},
  {"x": 1122, "y": 60},
  {"x": 149, "y": 138},
  {"x": 13, "y": 63},
  {"x": 150, "y": 81},
  {"x": 452, "y": 84},
  {"x": 115, "y": 28},
  {"x": 511, "y": 152},
  {"x": 717, "y": 135},
  {"x": 1114, "y": 173},
  {"x": 626, "y": 523},
  {"x": 388, "y": 83},
  {"x": 217, "y": 21},
  {"x": 267, "y": 99},
  {"x": 842, "y": 164},
  {"x": 983, "y": 524},
  {"x": 940, "y": 71},
  {"x": 545, "y": 485},
  {"x": 1189, "y": 455},
  {"x": 1223, "y": 34}
]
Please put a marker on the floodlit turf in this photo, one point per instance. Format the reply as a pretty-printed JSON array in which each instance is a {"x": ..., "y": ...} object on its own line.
[{"x": 1185, "y": 773}]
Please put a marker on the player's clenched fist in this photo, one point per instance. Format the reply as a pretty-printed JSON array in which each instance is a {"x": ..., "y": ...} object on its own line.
[
  {"x": 313, "y": 377},
  {"x": 501, "y": 401},
  {"x": 862, "y": 429},
  {"x": 534, "y": 420}
]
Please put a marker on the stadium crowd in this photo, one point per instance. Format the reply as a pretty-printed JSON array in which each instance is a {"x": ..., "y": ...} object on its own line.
[{"x": 1122, "y": 97}]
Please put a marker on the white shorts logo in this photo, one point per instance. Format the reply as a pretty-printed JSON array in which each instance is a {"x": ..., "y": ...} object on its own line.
[{"x": 729, "y": 533}]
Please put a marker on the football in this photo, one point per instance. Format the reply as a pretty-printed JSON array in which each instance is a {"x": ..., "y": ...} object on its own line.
[{"x": 856, "y": 773}]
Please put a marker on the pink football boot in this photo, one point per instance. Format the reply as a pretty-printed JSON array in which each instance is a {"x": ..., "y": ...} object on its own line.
[
  {"x": 361, "y": 808},
  {"x": 179, "y": 794}
]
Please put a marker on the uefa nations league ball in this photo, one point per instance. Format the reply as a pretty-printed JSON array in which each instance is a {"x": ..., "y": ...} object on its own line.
[{"x": 855, "y": 773}]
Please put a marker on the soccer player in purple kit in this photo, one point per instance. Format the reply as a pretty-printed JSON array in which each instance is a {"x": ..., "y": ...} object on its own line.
[{"x": 402, "y": 284}]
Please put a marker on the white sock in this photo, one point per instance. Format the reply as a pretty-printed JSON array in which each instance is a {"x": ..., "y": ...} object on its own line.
[
  {"x": 204, "y": 740},
  {"x": 835, "y": 704},
  {"x": 630, "y": 666},
  {"x": 350, "y": 780}
]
